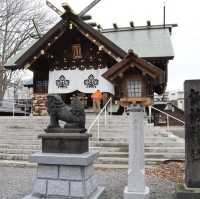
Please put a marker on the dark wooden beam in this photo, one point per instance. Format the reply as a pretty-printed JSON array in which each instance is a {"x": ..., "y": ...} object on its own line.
[
  {"x": 86, "y": 17},
  {"x": 89, "y": 7}
]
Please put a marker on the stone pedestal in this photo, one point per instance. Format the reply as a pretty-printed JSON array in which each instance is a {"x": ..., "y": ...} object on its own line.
[
  {"x": 73, "y": 143},
  {"x": 69, "y": 176},
  {"x": 136, "y": 188},
  {"x": 191, "y": 188},
  {"x": 65, "y": 167}
]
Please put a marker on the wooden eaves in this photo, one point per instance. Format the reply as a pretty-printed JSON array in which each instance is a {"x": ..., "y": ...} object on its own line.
[{"x": 132, "y": 60}]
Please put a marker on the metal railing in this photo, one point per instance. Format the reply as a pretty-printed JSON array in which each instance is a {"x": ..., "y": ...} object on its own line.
[
  {"x": 168, "y": 116},
  {"x": 97, "y": 119},
  {"x": 13, "y": 104}
]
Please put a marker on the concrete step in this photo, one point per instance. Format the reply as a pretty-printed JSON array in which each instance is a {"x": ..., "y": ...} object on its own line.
[
  {"x": 103, "y": 134},
  {"x": 124, "y": 161},
  {"x": 33, "y": 139},
  {"x": 165, "y": 149},
  {"x": 23, "y": 157},
  {"x": 147, "y": 155},
  {"x": 20, "y": 146},
  {"x": 121, "y": 138},
  {"x": 147, "y": 144},
  {"x": 18, "y": 139},
  {"x": 105, "y": 158},
  {"x": 18, "y": 151},
  {"x": 26, "y": 149}
]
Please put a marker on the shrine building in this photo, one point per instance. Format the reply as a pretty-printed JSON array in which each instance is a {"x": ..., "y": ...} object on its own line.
[{"x": 129, "y": 64}]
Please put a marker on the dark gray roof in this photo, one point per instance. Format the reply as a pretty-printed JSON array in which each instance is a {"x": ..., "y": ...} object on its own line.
[
  {"x": 146, "y": 43},
  {"x": 153, "y": 42}
]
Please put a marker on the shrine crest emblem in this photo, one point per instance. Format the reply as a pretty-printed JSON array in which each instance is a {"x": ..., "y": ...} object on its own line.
[
  {"x": 91, "y": 82},
  {"x": 62, "y": 82}
]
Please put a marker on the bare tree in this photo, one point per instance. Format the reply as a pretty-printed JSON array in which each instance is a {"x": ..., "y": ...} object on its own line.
[{"x": 16, "y": 29}]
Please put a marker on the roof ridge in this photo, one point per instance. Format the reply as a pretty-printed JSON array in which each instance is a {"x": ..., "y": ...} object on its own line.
[{"x": 152, "y": 27}]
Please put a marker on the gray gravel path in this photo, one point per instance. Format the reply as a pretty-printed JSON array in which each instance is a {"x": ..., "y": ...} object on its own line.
[{"x": 17, "y": 182}]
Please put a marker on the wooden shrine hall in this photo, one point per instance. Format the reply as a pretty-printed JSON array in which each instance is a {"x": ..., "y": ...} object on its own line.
[{"x": 129, "y": 64}]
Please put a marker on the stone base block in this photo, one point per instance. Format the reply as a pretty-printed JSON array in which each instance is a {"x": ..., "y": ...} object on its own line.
[
  {"x": 65, "y": 176},
  {"x": 64, "y": 159},
  {"x": 183, "y": 192},
  {"x": 98, "y": 194},
  {"x": 136, "y": 195}
]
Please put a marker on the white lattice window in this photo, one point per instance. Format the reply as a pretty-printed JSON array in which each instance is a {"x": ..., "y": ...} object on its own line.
[{"x": 134, "y": 88}]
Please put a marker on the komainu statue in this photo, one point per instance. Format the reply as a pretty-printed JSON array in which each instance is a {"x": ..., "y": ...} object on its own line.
[{"x": 73, "y": 116}]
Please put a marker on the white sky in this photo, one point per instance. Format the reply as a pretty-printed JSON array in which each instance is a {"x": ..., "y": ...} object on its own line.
[{"x": 185, "y": 38}]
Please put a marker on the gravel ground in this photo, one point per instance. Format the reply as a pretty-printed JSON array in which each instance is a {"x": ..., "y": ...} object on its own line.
[{"x": 17, "y": 182}]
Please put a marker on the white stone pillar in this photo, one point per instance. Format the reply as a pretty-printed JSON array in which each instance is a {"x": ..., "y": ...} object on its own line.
[
  {"x": 150, "y": 113},
  {"x": 136, "y": 188}
]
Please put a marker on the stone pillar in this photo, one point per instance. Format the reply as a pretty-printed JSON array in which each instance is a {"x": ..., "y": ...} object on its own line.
[
  {"x": 150, "y": 113},
  {"x": 191, "y": 188},
  {"x": 136, "y": 188}
]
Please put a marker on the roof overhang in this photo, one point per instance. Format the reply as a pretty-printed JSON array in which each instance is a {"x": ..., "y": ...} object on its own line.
[
  {"x": 131, "y": 61},
  {"x": 43, "y": 44}
]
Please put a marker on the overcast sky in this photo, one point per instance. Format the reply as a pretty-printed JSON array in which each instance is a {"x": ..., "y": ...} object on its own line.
[{"x": 185, "y": 37}]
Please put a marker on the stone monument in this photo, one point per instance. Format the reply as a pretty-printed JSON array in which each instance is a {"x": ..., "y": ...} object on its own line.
[
  {"x": 136, "y": 188},
  {"x": 65, "y": 165},
  {"x": 191, "y": 188}
]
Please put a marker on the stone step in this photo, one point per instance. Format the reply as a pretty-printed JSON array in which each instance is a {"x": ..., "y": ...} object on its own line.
[
  {"x": 124, "y": 139},
  {"x": 147, "y": 149},
  {"x": 18, "y": 151},
  {"x": 111, "y": 132},
  {"x": 15, "y": 163},
  {"x": 36, "y": 143},
  {"x": 19, "y": 141},
  {"x": 19, "y": 146},
  {"x": 4, "y": 156},
  {"x": 22, "y": 164},
  {"x": 148, "y": 161},
  {"x": 33, "y": 139},
  {"x": 165, "y": 149},
  {"x": 29, "y": 150},
  {"x": 147, "y": 144},
  {"x": 147, "y": 155},
  {"x": 106, "y": 157}
]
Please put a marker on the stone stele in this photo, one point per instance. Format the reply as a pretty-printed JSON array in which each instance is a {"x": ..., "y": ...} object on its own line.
[
  {"x": 136, "y": 188},
  {"x": 191, "y": 188}
]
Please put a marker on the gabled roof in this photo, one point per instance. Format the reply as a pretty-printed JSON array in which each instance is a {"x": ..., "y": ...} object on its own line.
[
  {"x": 147, "y": 41},
  {"x": 132, "y": 60},
  {"x": 98, "y": 36},
  {"x": 20, "y": 60}
]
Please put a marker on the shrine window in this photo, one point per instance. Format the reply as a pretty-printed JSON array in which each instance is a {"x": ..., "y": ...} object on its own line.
[
  {"x": 134, "y": 88},
  {"x": 76, "y": 51},
  {"x": 41, "y": 86}
]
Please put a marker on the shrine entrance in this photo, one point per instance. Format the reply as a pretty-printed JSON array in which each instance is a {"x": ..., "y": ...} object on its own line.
[{"x": 85, "y": 98}]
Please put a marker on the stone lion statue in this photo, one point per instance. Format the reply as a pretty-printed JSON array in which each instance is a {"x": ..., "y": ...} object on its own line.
[{"x": 73, "y": 116}]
